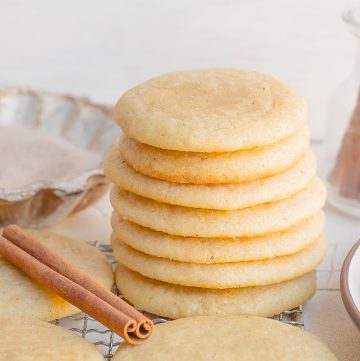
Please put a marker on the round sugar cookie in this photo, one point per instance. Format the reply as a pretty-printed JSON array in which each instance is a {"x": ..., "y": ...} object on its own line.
[
  {"x": 227, "y": 338},
  {"x": 173, "y": 301},
  {"x": 22, "y": 297},
  {"x": 33, "y": 340},
  {"x": 211, "y": 196},
  {"x": 210, "y": 110},
  {"x": 217, "y": 250},
  {"x": 214, "y": 168},
  {"x": 223, "y": 275},
  {"x": 248, "y": 222}
]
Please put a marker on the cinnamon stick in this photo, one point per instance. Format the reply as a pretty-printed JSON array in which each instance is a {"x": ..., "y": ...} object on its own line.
[
  {"x": 58, "y": 275},
  {"x": 346, "y": 171}
]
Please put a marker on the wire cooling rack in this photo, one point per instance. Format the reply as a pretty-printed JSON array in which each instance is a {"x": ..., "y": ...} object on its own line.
[{"x": 107, "y": 342}]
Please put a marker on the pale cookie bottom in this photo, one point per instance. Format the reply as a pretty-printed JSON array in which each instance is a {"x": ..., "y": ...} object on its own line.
[
  {"x": 223, "y": 275},
  {"x": 168, "y": 300},
  {"x": 217, "y": 250},
  {"x": 205, "y": 168},
  {"x": 227, "y": 338},
  {"x": 194, "y": 222},
  {"x": 211, "y": 196}
]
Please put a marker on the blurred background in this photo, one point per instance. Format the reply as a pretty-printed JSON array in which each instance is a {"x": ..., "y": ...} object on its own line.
[{"x": 100, "y": 48}]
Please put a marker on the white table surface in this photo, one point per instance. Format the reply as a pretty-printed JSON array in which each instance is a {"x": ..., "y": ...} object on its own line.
[{"x": 101, "y": 48}]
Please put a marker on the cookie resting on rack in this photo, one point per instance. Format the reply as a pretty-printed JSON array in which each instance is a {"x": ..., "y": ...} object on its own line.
[
  {"x": 23, "y": 297},
  {"x": 230, "y": 338},
  {"x": 33, "y": 340}
]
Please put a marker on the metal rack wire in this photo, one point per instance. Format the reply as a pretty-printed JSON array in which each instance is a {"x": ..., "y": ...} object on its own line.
[{"x": 107, "y": 342}]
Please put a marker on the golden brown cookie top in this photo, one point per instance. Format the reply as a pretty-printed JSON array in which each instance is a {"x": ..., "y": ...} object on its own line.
[{"x": 210, "y": 110}]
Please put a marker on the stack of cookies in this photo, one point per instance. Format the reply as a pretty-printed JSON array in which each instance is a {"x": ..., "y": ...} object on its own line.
[{"x": 217, "y": 208}]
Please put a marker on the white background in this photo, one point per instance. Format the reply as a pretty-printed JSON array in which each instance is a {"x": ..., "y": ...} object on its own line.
[{"x": 101, "y": 48}]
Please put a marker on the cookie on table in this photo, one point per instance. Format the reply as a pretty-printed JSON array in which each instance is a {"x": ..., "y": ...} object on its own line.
[
  {"x": 173, "y": 301},
  {"x": 230, "y": 338},
  {"x": 210, "y": 110},
  {"x": 20, "y": 296},
  {"x": 217, "y": 250},
  {"x": 33, "y": 340},
  {"x": 211, "y": 196},
  {"x": 225, "y": 167},
  {"x": 184, "y": 221},
  {"x": 223, "y": 275}
]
